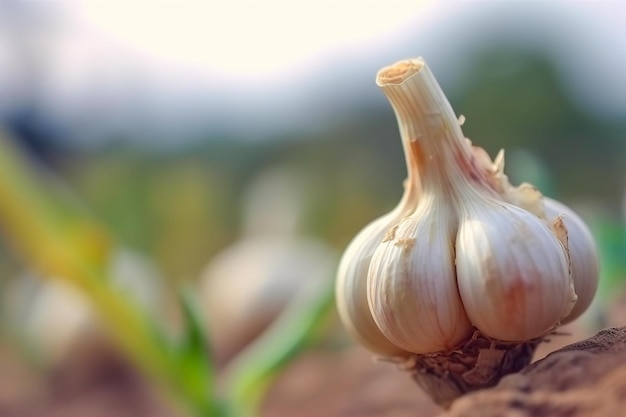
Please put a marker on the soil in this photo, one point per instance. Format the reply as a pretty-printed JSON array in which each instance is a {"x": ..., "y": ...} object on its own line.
[
  {"x": 582, "y": 379},
  {"x": 586, "y": 378},
  {"x": 92, "y": 381}
]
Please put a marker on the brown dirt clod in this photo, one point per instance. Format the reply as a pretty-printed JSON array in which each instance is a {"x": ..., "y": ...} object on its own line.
[{"x": 586, "y": 378}]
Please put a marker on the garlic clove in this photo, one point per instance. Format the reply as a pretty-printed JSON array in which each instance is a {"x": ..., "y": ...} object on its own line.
[
  {"x": 512, "y": 271},
  {"x": 351, "y": 286},
  {"x": 412, "y": 288},
  {"x": 585, "y": 264}
]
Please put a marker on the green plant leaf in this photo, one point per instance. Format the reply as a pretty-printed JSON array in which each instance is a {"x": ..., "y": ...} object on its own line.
[
  {"x": 300, "y": 325},
  {"x": 195, "y": 365}
]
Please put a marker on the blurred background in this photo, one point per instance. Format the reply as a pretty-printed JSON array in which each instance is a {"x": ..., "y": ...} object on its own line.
[
  {"x": 211, "y": 136},
  {"x": 159, "y": 117}
]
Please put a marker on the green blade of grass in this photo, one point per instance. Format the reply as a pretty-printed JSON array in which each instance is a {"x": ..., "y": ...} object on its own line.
[
  {"x": 299, "y": 326},
  {"x": 192, "y": 353}
]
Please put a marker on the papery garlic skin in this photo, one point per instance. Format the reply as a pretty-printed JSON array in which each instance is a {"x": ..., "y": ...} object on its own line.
[
  {"x": 412, "y": 288},
  {"x": 585, "y": 265},
  {"x": 512, "y": 272}
]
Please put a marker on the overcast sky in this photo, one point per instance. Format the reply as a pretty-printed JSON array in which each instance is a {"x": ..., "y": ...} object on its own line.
[{"x": 165, "y": 68}]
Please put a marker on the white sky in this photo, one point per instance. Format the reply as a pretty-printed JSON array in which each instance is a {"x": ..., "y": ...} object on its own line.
[
  {"x": 242, "y": 38},
  {"x": 247, "y": 40},
  {"x": 110, "y": 64}
]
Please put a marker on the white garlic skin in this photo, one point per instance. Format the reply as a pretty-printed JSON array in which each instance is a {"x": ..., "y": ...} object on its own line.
[
  {"x": 412, "y": 289},
  {"x": 585, "y": 264},
  {"x": 512, "y": 272},
  {"x": 351, "y": 286}
]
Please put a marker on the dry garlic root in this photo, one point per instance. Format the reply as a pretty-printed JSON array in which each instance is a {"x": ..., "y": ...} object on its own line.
[{"x": 468, "y": 273}]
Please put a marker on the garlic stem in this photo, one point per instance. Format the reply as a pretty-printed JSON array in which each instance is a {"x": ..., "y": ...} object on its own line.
[{"x": 429, "y": 129}]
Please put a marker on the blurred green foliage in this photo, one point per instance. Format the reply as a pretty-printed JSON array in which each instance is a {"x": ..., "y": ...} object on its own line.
[
  {"x": 516, "y": 99},
  {"x": 59, "y": 239},
  {"x": 183, "y": 207}
]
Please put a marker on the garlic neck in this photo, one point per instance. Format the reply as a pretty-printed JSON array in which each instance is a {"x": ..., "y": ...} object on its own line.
[{"x": 440, "y": 156}]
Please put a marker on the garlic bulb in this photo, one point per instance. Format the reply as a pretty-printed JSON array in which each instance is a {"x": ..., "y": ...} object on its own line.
[
  {"x": 471, "y": 265},
  {"x": 53, "y": 318}
]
